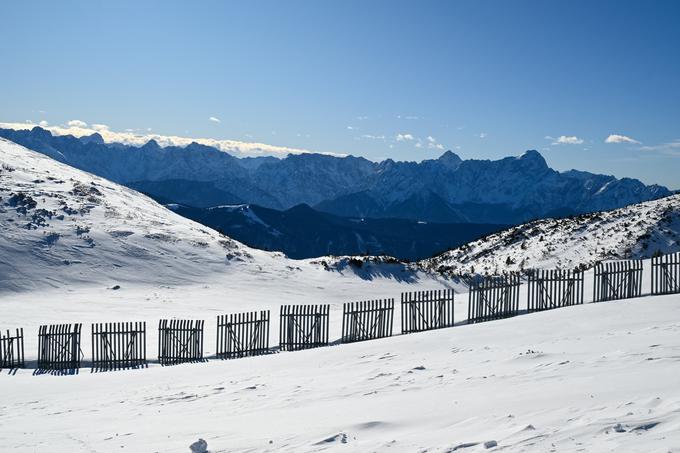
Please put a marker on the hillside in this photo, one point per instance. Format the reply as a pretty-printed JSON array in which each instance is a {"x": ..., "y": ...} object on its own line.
[
  {"x": 636, "y": 231},
  {"x": 303, "y": 232},
  {"x": 445, "y": 190},
  {"x": 61, "y": 226}
]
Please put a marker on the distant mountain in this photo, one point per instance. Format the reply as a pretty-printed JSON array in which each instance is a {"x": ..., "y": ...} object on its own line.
[
  {"x": 302, "y": 232},
  {"x": 506, "y": 191}
]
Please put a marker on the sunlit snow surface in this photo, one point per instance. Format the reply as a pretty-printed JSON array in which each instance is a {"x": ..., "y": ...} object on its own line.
[
  {"x": 593, "y": 378},
  {"x": 565, "y": 380}
]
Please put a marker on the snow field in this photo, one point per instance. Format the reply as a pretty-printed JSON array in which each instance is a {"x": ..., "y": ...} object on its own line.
[{"x": 597, "y": 377}]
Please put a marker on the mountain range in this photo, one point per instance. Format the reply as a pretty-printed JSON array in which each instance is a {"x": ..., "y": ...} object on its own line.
[{"x": 448, "y": 189}]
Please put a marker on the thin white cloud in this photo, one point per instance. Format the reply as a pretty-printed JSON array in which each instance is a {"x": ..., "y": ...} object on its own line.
[
  {"x": 569, "y": 140},
  {"x": 350, "y": 128},
  {"x": 77, "y": 123},
  {"x": 565, "y": 140},
  {"x": 433, "y": 144},
  {"x": 668, "y": 148},
  {"x": 43, "y": 124},
  {"x": 100, "y": 127},
  {"x": 235, "y": 147},
  {"x": 214, "y": 119},
  {"x": 482, "y": 135},
  {"x": 372, "y": 137},
  {"x": 362, "y": 118},
  {"x": 616, "y": 138},
  {"x": 404, "y": 137},
  {"x": 419, "y": 145}
]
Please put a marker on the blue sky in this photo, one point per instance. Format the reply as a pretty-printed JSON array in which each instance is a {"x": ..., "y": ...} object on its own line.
[{"x": 380, "y": 79}]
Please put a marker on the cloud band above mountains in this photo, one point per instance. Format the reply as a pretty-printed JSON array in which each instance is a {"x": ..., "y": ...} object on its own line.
[{"x": 79, "y": 128}]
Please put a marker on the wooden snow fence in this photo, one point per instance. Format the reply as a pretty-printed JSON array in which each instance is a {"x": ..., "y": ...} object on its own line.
[
  {"x": 555, "y": 288},
  {"x": 303, "y": 327},
  {"x": 12, "y": 349},
  {"x": 367, "y": 320},
  {"x": 242, "y": 334},
  {"x": 426, "y": 310},
  {"x": 59, "y": 347},
  {"x": 493, "y": 297},
  {"x": 666, "y": 274},
  {"x": 617, "y": 280},
  {"x": 118, "y": 345},
  {"x": 179, "y": 341}
]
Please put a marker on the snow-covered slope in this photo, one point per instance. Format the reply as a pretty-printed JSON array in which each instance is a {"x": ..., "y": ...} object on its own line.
[
  {"x": 635, "y": 231},
  {"x": 62, "y": 226}
]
